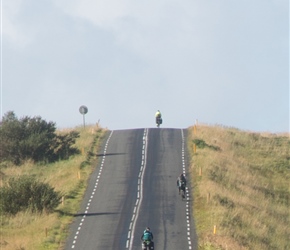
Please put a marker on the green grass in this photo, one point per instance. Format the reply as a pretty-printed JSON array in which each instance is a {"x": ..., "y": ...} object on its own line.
[
  {"x": 27, "y": 231},
  {"x": 241, "y": 185}
]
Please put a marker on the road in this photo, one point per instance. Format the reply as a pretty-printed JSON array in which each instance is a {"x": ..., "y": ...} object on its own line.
[{"x": 134, "y": 186}]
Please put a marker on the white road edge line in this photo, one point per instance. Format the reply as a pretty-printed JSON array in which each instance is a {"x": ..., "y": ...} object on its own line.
[
  {"x": 187, "y": 215},
  {"x": 93, "y": 193}
]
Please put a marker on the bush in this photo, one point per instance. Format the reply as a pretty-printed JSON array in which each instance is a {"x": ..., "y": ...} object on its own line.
[
  {"x": 26, "y": 192},
  {"x": 33, "y": 139},
  {"x": 202, "y": 144}
]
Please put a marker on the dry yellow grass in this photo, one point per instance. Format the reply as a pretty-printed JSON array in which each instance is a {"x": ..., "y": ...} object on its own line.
[
  {"x": 241, "y": 186},
  {"x": 27, "y": 231}
]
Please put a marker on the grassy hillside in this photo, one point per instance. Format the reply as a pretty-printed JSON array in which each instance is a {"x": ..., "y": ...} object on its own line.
[
  {"x": 241, "y": 188},
  {"x": 240, "y": 184},
  {"x": 28, "y": 231}
]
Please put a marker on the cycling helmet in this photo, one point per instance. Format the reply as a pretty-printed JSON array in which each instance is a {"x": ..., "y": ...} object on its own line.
[{"x": 147, "y": 229}]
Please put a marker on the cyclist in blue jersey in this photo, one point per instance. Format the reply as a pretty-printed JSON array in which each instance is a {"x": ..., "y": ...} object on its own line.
[{"x": 147, "y": 239}]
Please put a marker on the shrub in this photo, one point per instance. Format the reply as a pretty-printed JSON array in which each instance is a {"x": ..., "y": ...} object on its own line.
[
  {"x": 26, "y": 192},
  {"x": 202, "y": 144},
  {"x": 33, "y": 139}
]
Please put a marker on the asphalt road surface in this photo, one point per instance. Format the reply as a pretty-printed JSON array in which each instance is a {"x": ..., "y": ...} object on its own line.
[{"x": 132, "y": 187}]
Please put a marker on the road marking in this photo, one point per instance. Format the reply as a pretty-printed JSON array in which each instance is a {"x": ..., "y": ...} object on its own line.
[
  {"x": 131, "y": 232},
  {"x": 187, "y": 210},
  {"x": 93, "y": 192}
]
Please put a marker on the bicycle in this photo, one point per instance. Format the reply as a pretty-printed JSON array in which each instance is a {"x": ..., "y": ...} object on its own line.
[{"x": 182, "y": 192}]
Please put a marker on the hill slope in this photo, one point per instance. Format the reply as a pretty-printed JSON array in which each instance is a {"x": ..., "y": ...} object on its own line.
[
  {"x": 47, "y": 231},
  {"x": 241, "y": 188},
  {"x": 240, "y": 182}
]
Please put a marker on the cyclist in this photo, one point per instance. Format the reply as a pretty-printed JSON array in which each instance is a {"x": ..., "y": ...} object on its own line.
[
  {"x": 147, "y": 239},
  {"x": 181, "y": 182},
  {"x": 158, "y": 117}
]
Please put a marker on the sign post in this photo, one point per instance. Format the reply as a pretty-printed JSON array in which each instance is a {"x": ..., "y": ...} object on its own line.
[{"x": 83, "y": 110}]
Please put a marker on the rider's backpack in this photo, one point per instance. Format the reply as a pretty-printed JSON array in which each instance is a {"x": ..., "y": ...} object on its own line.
[{"x": 147, "y": 236}]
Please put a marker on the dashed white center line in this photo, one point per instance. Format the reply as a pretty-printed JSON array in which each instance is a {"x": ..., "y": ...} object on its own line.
[{"x": 139, "y": 198}]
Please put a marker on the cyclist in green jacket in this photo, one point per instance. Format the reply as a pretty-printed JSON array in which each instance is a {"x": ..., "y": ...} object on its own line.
[
  {"x": 158, "y": 118},
  {"x": 147, "y": 239}
]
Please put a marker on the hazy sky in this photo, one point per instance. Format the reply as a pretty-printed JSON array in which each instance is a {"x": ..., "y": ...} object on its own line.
[{"x": 218, "y": 61}]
